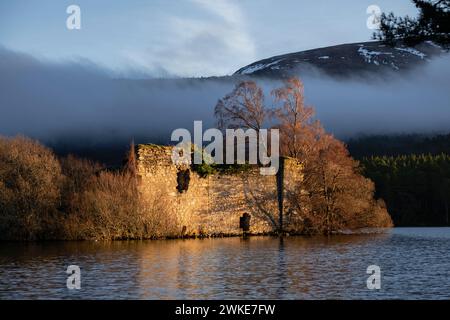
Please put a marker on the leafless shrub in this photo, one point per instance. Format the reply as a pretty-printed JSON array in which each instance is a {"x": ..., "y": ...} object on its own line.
[
  {"x": 30, "y": 182},
  {"x": 74, "y": 199},
  {"x": 107, "y": 205}
]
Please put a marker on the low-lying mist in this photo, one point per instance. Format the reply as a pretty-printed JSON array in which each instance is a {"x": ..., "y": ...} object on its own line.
[{"x": 79, "y": 104}]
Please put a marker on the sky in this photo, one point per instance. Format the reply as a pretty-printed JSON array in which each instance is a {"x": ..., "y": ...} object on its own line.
[
  {"x": 60, "y": 85},
  {"x": 183, "y": 38}
]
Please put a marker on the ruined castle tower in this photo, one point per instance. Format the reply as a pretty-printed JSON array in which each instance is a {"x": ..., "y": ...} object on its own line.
[{"x": 213, "y": 205}]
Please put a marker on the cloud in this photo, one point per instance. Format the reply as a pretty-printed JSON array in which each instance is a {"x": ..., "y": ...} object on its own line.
[
  {"x": 200, "y": 46},
  {"x": 49, "y": 101},
  {"x": 82, "y": 104},
  {"x": 230, "y": 12}
]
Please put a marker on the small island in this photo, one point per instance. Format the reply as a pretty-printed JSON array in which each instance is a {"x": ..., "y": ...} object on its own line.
[{"x": 317, "y": 188}]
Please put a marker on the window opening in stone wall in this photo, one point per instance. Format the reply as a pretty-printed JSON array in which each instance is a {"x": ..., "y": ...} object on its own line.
[{"x": 183, "y": 177}]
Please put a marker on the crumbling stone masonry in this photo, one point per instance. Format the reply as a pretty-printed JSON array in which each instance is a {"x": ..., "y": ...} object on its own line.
[{"x": 213, "y": 205}]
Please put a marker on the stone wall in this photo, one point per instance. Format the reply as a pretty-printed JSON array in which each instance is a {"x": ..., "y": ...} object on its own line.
[{"x": 213, "y": 205}]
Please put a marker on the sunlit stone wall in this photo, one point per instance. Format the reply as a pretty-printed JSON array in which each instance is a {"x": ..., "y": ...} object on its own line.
[{"x": 213, "y": 205}]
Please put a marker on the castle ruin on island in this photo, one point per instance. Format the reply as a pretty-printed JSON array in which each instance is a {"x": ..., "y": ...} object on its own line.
[{"x": 218, "y": 203}]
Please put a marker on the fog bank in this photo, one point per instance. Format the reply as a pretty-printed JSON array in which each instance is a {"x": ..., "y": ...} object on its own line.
[{"x": 79, "y": 102}]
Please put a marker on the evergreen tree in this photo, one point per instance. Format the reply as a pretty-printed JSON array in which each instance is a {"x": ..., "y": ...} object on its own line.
[{"x": 432, "y": 23}]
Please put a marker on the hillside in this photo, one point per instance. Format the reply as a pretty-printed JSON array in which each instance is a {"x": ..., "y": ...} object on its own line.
[{"x": 346, "y": 60}]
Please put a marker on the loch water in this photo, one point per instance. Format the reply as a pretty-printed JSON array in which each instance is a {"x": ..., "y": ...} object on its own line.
[{"x": 414, "y": 264}]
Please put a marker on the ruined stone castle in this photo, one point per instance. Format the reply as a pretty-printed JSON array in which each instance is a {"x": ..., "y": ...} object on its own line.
[{"x": 217, "y": 203}]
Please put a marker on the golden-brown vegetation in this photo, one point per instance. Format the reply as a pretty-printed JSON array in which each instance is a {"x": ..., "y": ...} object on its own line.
[
  {"x": 333, "y": 195},
  {"x": 42, "y": 197},
  {"x": 30, "y": 184}
]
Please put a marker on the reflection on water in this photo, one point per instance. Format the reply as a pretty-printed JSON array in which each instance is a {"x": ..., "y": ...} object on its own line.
[{"x": 415, "y": 264}]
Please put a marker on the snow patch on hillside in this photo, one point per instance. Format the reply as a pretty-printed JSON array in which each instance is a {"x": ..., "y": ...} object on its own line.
[
  {"x": 261, "y": 66},
  {"x": 369, "y": 56},
  {"x": 431, "y": 43},
  {"x": 413, "y": 51}
]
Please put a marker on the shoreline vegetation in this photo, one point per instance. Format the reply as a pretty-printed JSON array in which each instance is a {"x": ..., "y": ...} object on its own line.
[{"x": 45, "y": 197}]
